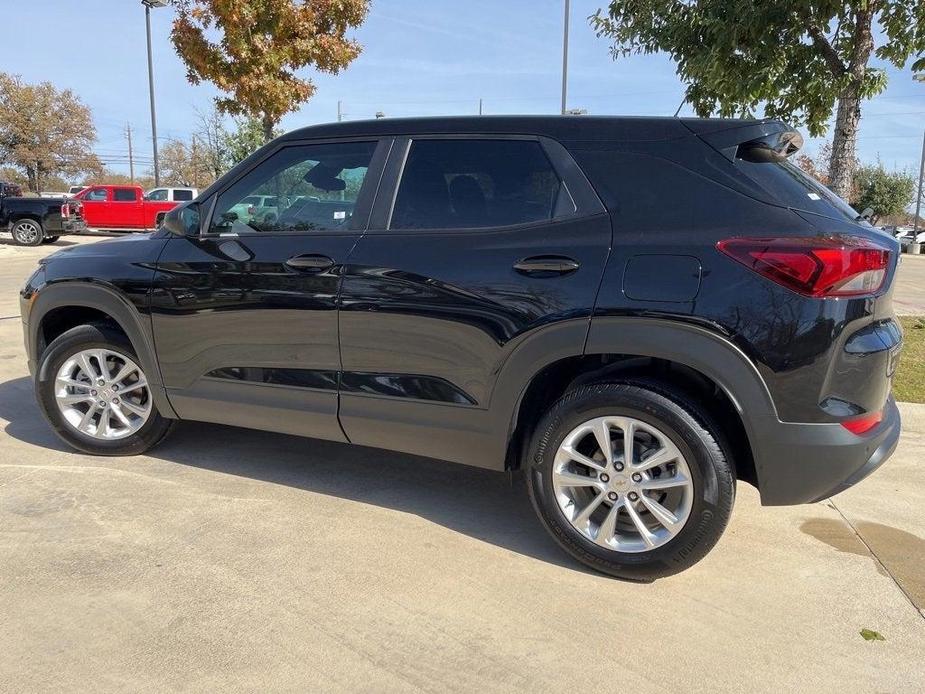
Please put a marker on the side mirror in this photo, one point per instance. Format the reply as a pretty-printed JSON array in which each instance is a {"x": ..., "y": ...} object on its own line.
[
  {"x": 867, "y": 214},
  {"x": 183, "y": 220}
]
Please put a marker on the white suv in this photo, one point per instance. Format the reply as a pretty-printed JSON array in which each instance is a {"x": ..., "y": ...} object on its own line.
[{"x": 171, "y": 194}]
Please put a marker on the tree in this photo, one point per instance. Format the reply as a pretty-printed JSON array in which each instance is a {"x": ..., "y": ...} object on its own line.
[
  {"x": 212, "y": 136},
  {"x": 261, "y": 45},
  {"x": 797, "y": 58},
  {"x": 818, "y": 166},
  {"x": 885, "y": 192},
  {"x": 185, "y": 164},
  {"x": 245, "y": 139},
  {"x": 44, "y": 132},
  {"x": 115, "y": 178}
]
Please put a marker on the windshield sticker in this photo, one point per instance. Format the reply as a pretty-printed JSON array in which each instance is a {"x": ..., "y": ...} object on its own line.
[
  {"x": 814, "y": 196},
  {"x": 340, "y": 215}
]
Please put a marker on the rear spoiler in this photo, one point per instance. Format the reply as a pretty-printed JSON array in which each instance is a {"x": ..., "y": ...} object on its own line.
[{"x": 757, "y": 141}]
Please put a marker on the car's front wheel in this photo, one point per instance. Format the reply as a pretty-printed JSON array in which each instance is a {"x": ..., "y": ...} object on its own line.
[
  {"x": 95, "y": 395},
  {"x": 631, "y": 479}
]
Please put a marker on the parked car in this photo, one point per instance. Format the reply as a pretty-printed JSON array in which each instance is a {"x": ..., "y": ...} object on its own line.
[
  {"x": 254, "y": 207},
  {"x": 121, "y": 208},
  {"x": 33, "y": 221},
  {"x": 636, "y": 313},
  {"x": 906, "y": 235},
  {"x": 171, "y": 194}
]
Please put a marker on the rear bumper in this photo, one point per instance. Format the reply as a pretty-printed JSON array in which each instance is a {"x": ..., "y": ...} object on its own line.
[
  {"x": 72, "y": 226},
  {"x": 805, "y": 463}
]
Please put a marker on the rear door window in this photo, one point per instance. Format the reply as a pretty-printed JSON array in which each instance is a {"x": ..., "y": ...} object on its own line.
[
  {"x": 471, "y": 183},
  {"x": 182, "y": 195},
  {"x": 124, "y": 195}
]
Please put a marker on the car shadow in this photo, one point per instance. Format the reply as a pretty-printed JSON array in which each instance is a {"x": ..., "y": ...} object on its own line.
[
  {"x": 60, "y": 243},
  {"x": 489, "y": 506}
]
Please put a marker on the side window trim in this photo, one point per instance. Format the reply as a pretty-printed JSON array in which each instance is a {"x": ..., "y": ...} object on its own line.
[
  {"x": 364, "y": 203},
  {"x": 587, "y": 203}
]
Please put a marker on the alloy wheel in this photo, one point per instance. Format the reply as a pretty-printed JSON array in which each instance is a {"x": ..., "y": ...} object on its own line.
[
  {"x": 622, "y": 483},
  {"x": 28, "y": 232},
  {"x": 103, "y": 394}
]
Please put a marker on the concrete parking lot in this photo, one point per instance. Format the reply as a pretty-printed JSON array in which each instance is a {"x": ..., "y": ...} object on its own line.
[{"x": 242, "y": 561}]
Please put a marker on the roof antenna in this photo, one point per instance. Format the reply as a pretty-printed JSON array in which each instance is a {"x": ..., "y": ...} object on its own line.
[{"x": 680, "y": 106}]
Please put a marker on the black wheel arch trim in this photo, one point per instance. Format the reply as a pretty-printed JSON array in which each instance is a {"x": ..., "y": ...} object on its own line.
[
  {"x": 109, "y": 301},
  {"x": 696, "y": 347}
]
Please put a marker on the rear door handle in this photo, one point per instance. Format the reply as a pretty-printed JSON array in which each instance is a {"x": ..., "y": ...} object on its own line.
[
  {"x": 546, "y": 265},
  {"x": 310, "y": 262}
]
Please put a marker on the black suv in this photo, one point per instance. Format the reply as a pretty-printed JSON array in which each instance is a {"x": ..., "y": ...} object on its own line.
[{"x": 635, "y": 312}]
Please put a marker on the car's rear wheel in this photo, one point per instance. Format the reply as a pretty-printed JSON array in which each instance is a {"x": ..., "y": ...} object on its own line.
[
  {"x": 28, "y": 232},
  {"x": 95, "y": 394},
  {"x": 631, "y": 479}
]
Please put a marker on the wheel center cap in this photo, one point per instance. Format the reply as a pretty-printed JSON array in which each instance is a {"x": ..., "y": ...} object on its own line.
[
  {"x": 106, "y": 393},
  {"x": 620, "y": 482}
]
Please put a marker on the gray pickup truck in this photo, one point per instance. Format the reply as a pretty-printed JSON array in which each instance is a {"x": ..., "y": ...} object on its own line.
[{"x": 33, "y": 221}]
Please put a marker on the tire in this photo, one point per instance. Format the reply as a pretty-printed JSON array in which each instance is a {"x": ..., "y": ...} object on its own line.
[
  {"x": 50, "y": 239},
  {"x": 28, "y": 232},
  {"x": 137, "y": 434},
  {"x": 699, "y": 483}
]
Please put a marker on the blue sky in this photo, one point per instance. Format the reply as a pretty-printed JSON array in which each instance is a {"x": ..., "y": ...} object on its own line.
[{"x": 421, "y": 57}]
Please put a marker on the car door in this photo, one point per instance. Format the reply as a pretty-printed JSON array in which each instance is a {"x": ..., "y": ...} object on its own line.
[
  {"x": 126, "y": 210},
  {"x": 476, "y": 243},
  {"x": 245, "y": 313},
  {"x": 95, "y": 203}
]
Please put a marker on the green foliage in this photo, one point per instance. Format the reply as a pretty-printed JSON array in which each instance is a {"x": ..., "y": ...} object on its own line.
[
  {"x": 794, "y": 58},
  {"x": 244, "y": 140},
  {"x": 885, "y": 192}
]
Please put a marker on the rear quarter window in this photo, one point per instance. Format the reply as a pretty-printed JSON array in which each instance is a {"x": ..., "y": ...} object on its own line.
[{"x": 788, "y": 185}]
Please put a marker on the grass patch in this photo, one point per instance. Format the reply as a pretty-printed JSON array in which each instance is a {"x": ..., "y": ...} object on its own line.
[{"x": 909, "y": 381}]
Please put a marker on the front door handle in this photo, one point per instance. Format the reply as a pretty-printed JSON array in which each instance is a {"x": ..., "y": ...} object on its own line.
[
  {"x": 546, "y": 265},
  {"x": 310, "y": 262}
]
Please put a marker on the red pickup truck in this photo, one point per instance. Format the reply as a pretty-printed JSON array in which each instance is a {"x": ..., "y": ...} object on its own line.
[{"x": 121, "y": 207}]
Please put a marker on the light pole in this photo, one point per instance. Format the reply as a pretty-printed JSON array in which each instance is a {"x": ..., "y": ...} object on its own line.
[
  {"x": 148, "y": 5},
  {"x": 565, "y": 59},
  {"x": 918, "y": 200}
]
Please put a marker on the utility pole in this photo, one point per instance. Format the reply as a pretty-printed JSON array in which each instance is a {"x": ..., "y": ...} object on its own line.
[
  {"x": 918, "y": 201},
  {"x": 340, "y": 113},
  {"x": 480, "y": 107},
  {"x": 565, "y": 59},
  {"x": 148, "y": 5},
  {"x": 131, "y": 160}
]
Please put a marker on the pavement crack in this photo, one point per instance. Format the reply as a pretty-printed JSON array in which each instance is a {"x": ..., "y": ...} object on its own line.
[{"x": 873, "y": 554}]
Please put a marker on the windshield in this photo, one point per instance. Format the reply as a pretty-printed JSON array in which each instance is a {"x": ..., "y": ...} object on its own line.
[{"x": 792, "y": 187}]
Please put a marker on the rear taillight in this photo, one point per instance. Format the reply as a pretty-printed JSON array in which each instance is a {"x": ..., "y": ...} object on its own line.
[
  {"x": 251, "y": 211},
  {"x": 815, "y": 266},
  {"x": 862, "y": 425},
  {"x": 65, "y": 210}
]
